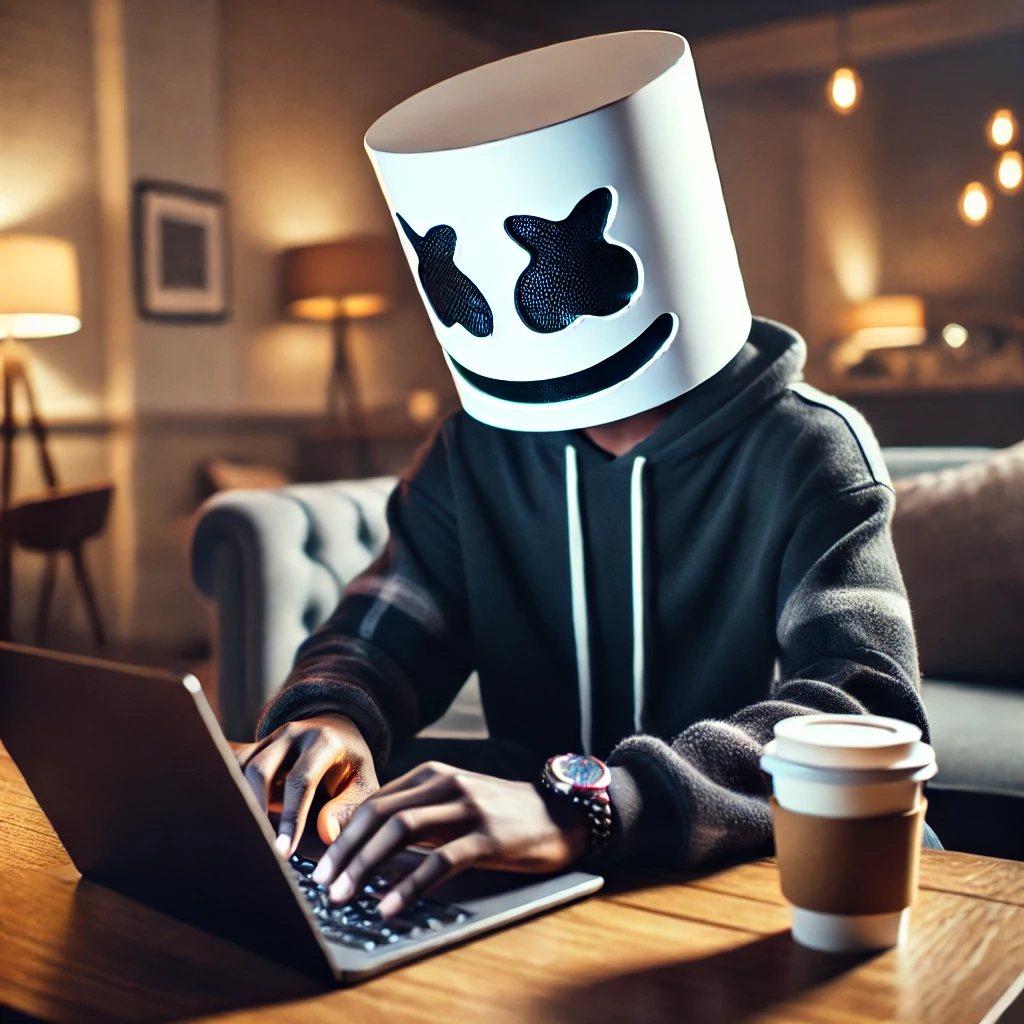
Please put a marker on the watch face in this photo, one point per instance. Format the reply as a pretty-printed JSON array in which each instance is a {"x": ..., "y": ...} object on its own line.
[{"x": 581, "y": 771}]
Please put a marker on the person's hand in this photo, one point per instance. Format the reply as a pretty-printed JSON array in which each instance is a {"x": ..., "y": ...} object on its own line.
[
  {"x": 326, "y": 751},
  {"x": 470, "y": 819}
]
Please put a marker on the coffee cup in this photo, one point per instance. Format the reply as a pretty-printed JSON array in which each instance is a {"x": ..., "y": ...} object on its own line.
[{"x": 848, "y": 818}]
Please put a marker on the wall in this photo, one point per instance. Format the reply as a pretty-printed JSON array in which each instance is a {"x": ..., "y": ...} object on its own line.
[
  {"x": 272, "y": 111},
  {"x": 47, "y": 173},
  {"x": 300, "y": 93},
  {"x": 48, "y": 186},
  {"x": 924, "y": 162},
  {"x": 828, "y": 210},
  {"x": 758, "y": 135}
]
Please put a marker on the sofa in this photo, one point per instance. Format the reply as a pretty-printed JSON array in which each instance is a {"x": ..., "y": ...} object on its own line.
[{"x": 274, "y": 563}]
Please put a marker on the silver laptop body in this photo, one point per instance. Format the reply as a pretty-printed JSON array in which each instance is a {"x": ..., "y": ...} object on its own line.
[{"x": 132, "y": 770}]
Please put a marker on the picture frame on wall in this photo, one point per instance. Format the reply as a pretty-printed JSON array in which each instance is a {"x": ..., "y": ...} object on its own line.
[{"x": 181, "y": 253}]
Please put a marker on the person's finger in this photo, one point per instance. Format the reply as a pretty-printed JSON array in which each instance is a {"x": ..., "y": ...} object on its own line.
[
  {"x": 438, "y": 865},
  {"x": 417, "y": 776},
  {"x": 261, "y": 769},
  {"x": 300, "y": 785},
  {"x": 436, "y": 823},
  {"x": 337, "y": 812},
  {"x": 373, "y": 815}
]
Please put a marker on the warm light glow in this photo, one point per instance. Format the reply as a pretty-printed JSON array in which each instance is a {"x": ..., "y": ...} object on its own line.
[
  {"x": 1010, "y": 172},
  {"x": 954, "y": 335},
  {"x": 1002, "y": 128},
  {"x": 844, "y": 90},
  {"x": 328, "y": 307},
  {"x": 885, "y": 321},
  {"x": 423, "y": 405},
  {"x": 39, "y": 293},
  {"x": 975, "y": 203}
]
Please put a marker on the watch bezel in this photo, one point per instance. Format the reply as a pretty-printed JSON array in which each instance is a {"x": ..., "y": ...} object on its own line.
[{"x": 556, "y": 769}]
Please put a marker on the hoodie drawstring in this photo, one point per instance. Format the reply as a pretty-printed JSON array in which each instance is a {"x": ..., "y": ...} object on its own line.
[
  {"x": 636, "y": 531},
  {"x": 578, "y": 590}
]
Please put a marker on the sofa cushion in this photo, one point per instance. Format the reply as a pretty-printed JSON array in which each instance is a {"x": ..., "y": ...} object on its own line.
[
  {"x": 976, "y": 802},
  {"x": 959, "y": 535},
  {"x": 978, "y": 734}
]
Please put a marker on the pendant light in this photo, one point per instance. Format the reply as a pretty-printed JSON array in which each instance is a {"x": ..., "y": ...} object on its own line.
[{"x": 844, "y": 86}]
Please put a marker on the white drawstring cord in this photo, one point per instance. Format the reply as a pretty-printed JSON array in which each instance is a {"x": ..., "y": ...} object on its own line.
[
  {"x": 578, "y": 587},
  {"x": 636, "y": 528}
]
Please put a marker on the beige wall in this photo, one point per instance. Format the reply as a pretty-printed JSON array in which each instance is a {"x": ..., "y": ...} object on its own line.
[
  {"x": 300, "y": 93},
  {"x": 47, "y": 173},
  {"x": 48, "y": 186},
  {"x": 272, "y": 111},
  {"x": 176, "y": 133}
]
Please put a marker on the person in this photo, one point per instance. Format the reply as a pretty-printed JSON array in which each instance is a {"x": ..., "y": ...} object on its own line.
[{"x": 646, "y": 534}]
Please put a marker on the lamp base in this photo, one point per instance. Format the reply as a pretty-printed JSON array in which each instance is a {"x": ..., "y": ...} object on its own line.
[{"x": 344, "y": 403}]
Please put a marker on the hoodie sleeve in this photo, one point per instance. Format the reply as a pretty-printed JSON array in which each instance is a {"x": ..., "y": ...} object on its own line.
[
  {"x": 395, "y": 652},
  {"x": 846, "y": 645}
]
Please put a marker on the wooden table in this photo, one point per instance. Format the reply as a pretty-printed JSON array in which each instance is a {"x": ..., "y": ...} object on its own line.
[{"x": 711, "y": 948}]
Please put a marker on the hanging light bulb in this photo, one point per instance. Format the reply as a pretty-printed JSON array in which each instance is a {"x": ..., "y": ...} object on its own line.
[
  {"x": 955, "y": 335},
  {"x": 1010, "y": 172},
  {"x": 844, "y": 86},
  {"x": 1002, "y": 128},
  {"x": 975, "y": 203},
  {"x": 844, "y": 90}
]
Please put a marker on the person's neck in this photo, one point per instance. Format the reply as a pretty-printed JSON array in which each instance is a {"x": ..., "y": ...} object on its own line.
[{"x": 623, "y": 435}]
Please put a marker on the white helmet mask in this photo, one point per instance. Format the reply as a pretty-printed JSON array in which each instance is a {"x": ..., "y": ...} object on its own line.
[{"x": 562, "y": 213}]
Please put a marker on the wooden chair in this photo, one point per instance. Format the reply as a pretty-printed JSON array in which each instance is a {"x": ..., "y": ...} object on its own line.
[{"x": 61, "y": 522}]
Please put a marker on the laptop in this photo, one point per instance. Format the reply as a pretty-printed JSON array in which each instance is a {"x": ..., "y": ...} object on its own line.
[{"x": 132, "y": 770}]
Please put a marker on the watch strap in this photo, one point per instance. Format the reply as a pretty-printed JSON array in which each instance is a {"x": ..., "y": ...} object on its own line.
[{"x": 595, "y": 802}]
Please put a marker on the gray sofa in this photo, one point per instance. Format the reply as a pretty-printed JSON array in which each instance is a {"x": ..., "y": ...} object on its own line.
[{"x": 274, "y": 564}]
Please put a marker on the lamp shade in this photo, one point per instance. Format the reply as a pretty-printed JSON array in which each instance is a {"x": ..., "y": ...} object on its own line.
[
  {"x": 885, "y": 321},
  {"x": 39, "y": 292},
  {"x": 352, "y": 278}
]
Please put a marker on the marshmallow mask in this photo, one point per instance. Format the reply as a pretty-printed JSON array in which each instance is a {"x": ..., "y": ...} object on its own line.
[{"x": 562, "y": 214}]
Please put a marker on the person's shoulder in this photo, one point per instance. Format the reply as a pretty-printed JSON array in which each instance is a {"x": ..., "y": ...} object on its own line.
[
  {"x": 455, "y": 441},
  {"x": 828, "y": 438}
]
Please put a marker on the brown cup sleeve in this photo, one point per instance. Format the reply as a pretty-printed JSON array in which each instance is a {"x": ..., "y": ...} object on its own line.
[{"x": 848, "y": 865}]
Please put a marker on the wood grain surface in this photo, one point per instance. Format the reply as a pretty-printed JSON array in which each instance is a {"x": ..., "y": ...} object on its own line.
[{"x": 707, "y": 948}]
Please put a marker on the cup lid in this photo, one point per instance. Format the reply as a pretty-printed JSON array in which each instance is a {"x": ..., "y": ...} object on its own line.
[
  {"x": 918, "y": 767},
  {"x": 846, "y": 741}
]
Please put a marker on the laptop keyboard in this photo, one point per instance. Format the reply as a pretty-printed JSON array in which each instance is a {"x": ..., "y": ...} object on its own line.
[{"x": 359, "y": 924}]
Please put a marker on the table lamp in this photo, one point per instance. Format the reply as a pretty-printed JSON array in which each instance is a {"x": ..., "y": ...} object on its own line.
[
  {"x": 884, "y": 321},
  {"x": 337, "y": 282},
  {"x": 39, "y": 298}
]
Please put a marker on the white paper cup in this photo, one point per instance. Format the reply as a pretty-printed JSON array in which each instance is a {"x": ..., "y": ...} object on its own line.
[{"x": 848, "y": 766}]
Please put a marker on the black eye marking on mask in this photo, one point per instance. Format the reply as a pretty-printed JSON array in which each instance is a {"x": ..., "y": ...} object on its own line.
[
  {"x": 574, "y": 271},
  {"x": 456, "y": 300},
  {"x": 614, "y": 370}
]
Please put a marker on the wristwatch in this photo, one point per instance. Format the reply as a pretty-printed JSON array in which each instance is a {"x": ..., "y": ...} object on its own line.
[{"x": 585, "y": 780}]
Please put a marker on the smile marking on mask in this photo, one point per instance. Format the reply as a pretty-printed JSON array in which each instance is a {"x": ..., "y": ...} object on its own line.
[
  {"x": 616, "y": 369},
  {"x": 455, "y": 299},
  {"x": 574, "y": 270}
]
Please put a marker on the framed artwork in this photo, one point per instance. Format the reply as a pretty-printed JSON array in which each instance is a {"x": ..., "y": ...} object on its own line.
[{"x": 181, "y": 253}]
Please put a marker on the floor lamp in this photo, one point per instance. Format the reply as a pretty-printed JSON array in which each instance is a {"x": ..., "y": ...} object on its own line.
[
  {"x": 39, "y": 298},
  {"x": 336, "y": 283}
]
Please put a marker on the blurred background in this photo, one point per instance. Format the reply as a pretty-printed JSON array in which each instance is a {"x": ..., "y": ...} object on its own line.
[{"x": 217, "y": 298}]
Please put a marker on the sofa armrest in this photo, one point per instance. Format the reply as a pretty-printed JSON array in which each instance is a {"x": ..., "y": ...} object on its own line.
[{"x": 274, "y": 563}]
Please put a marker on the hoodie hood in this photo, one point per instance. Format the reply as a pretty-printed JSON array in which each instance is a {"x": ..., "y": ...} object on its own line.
[{"x": 772, "y": 358}]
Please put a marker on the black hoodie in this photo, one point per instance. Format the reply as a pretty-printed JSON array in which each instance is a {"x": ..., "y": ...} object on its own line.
[{"x": 662, "y": 609}]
